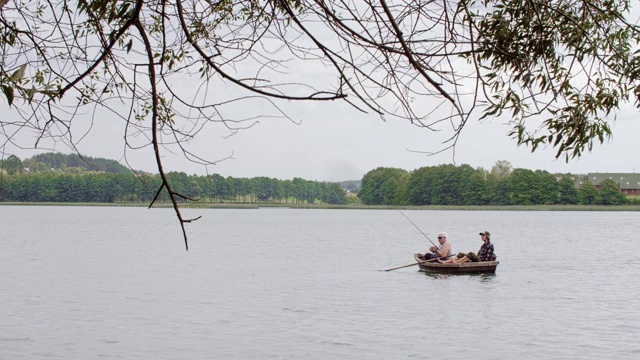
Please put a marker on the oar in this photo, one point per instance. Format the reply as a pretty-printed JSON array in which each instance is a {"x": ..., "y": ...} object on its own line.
[{"x": 420, "y": 262}]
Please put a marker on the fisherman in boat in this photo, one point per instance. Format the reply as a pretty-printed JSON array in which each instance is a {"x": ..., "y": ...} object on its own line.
[
  {"x": 444, "y": 250},
  {"x": 485, "y": 254}
]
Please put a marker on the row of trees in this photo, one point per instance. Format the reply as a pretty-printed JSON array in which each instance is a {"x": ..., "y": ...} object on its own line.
[
  {"x": 464, "y": 185},
  {"x": 56, "y": 186},
  {"x": 68, "y": 163},
  {"x": 69, "y": 178}
]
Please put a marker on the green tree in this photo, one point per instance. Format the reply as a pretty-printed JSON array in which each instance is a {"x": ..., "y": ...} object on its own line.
[
  {"x": 269, "y": 189},
  {"x": 380, "y": 186},
  {"x": 548, "y": 187},
  {"x": 402, "y": 191},
  {"x": 444, "y": 186},
  {"x": 243, "y": 187},
  {"x": 463, "y": 185},
  {"x": 501, "y": 169},
  {"x": 497, "y": 190},
  {"x": 522, "y": 183},
  {"x": 588, "y": 193},
  {"x": 527, "y": 187},
  {"x": 610, "y": 194},
  {"x": 60, "y": 161},
  {"x": 568, "y": 191},
  {"x": 181, "y": 185},
  {"x": 12, "y": 164},
  {"x": 474, "y": 189},
  {"x": 287, "y": 190},
  {"x": 421, "y": 186},
  {"x": 218, "y": 187}
]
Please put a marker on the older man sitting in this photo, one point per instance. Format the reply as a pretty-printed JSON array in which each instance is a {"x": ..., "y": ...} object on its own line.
[{"x": 444, "y": 250}]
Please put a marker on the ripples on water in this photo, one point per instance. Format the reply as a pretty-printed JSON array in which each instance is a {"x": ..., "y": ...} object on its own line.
[{"x": 84, "y": 283}]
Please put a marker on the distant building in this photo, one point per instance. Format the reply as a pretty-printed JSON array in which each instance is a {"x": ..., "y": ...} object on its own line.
[{"x": 628, "y": 183}]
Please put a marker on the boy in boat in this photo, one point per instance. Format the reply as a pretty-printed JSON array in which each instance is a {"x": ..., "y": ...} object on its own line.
[
  {"x": 486, "y": 251},
  {"x": 444, "y": 250}
]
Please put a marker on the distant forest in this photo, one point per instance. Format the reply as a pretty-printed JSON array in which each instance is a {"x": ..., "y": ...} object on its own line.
[
  {"x": 55, "y": 177},
  {"x": 71, "y": 163},
  {"x": 463, "y": 185}
]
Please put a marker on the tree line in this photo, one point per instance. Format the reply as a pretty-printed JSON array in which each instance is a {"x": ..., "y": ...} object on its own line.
[
  {"x": 463, "y": 185},
  {"x": 69, "y": 178},
  {"x": 107, "y": 187},
  {"x": 68, "y": 163}
]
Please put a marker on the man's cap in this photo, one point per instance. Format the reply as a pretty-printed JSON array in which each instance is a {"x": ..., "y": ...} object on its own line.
[{"x": 485, "y": 233}]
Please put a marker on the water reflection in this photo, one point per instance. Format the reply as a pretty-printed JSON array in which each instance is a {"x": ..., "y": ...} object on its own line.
[{"x": 482, "y": 277}]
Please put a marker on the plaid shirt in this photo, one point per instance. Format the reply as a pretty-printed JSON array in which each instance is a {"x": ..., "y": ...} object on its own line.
[{"x": 486, "y": 252}]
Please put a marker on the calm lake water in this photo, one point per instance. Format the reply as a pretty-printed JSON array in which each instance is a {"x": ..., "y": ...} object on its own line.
[{"x": 103, "y": 282}]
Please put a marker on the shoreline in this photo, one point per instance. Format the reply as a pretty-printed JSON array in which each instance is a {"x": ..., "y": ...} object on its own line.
[{"x": 349, "y": 207}]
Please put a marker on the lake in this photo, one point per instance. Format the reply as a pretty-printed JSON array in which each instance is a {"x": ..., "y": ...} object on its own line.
[{"x": 110, "y": 282}]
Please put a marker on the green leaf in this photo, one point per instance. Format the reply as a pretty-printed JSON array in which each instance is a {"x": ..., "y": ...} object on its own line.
[
  {"x": 8, "y": 92},
  {"x": 18, "y": 74},
  {"x": 31, "y": 93}
]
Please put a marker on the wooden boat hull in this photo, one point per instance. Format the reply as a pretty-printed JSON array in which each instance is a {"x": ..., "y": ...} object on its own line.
[{"x": 482, "y": 267}]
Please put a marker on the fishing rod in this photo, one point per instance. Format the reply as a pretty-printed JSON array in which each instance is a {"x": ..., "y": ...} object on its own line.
[{"x": 425, "y": 235}]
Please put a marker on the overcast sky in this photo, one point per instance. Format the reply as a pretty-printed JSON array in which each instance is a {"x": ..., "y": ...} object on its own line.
[{"x": 334, "y": 142}]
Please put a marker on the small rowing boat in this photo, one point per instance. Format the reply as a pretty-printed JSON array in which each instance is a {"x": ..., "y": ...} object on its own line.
[{"x": 487, "y": 267}]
